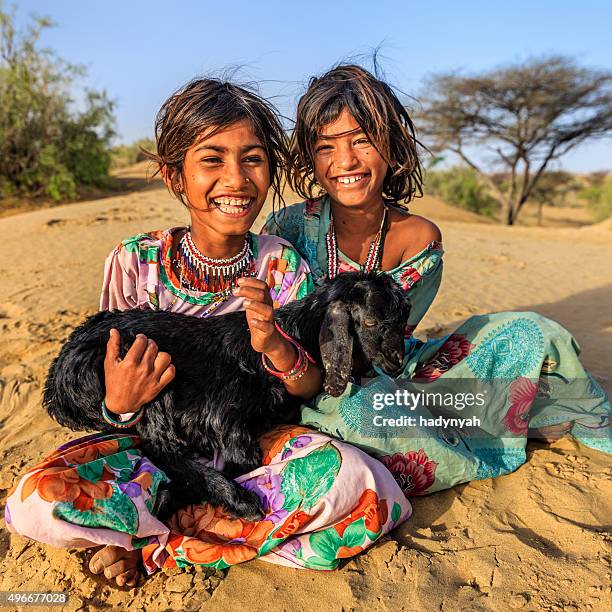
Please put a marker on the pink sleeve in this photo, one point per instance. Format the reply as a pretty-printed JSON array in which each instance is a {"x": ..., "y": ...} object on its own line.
[{"x": 120, "y": 284}]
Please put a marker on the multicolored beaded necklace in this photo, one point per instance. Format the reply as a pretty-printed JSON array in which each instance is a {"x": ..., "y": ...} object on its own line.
[
  {"x": 374, "y": 257},
  {"x": 214, "y": 275}
]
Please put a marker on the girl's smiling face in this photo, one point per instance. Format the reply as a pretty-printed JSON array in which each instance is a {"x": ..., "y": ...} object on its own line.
[
  {"x": 347, "y": 165},
  {"x": 225, "y": 179}
]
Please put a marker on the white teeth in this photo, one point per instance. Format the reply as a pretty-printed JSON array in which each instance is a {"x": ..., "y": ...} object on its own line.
[
  {"x": 232, "y": 210},
  {"x": 227, "y": 204},
  {"x": 347, "y": 180}
]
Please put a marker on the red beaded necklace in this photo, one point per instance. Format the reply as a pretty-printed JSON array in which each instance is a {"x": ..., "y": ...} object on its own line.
[{"x": 199, "y": 272}]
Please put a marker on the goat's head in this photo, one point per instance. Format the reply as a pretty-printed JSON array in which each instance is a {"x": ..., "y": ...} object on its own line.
[{"x": 363, "y": 326}]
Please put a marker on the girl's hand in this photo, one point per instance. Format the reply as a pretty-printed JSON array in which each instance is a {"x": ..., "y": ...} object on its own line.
[
  {"x": 265, "y": 338},
  {"x": 260, "y": 315},
  {"x": 137, "y": 378}
]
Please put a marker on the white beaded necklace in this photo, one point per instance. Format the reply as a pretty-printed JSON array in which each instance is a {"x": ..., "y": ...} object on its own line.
[{"x": 373, "y": 258}]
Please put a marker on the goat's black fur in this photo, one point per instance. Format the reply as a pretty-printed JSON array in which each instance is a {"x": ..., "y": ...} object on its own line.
[{"x": 221, "y": 398}]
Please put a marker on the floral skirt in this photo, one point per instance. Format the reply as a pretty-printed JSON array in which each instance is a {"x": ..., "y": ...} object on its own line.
[
  {"x": 324, "y": 501},
  {"x": 462, "y": 407}
]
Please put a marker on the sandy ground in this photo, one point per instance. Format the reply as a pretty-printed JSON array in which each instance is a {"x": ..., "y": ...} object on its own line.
[{"x": 537, "y": 539}]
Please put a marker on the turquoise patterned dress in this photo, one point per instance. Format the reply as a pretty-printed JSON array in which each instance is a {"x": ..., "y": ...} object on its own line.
[{"x": 462, "y": 405}]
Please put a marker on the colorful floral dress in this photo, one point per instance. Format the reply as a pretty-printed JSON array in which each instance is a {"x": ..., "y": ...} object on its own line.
[
  {"x": 324, "y": 499},
  {"x": 138, "y": 273},
  {"x": 522, "y": 369}
]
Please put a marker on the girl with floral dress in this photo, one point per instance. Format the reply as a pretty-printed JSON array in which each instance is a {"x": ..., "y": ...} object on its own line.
[
  {"x": 355, "y": 161},
  {"x": 219, "y": 149}
]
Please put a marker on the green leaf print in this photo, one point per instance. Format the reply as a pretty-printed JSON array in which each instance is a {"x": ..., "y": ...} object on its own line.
[
  {"x": 116, "y": 512},
  {"x": 184, "y": 563},
  {"x": 147, "y": 253},
  {"x": 140, "y": 542},
  {"x": 91, "y": 471},
  {"x": 269, "y": 544},
  {"x": 319, "y": 563},
  {"x": 307, "y": 479},
  {"x": 131, "y": 244},
  {"x": 306, "y": 287},
  {"x": 326, "y": 543},
  {"x": 396, "y": 512},
  {"x": 316, "y": 562},
  {"x": 354, "y": 534},
  {"x": 126, "y": 443},
  {"x": 122, "y": 465},
  {"x": 291, "y": 257}
]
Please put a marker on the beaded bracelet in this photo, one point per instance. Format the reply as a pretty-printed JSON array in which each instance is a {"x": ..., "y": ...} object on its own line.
[
  {"x": 120, "y": 424},
  {"x": 296, "y": 372},
  {"x": 299, "y": 368}
]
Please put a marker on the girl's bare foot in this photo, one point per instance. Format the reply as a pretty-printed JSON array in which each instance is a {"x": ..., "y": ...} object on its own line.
[
  {"x": 551, "y": 433},
  {"x": 117, "y": 563}
]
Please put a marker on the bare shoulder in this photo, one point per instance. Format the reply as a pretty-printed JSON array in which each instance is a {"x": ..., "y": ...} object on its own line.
[{"x": 411, "y": 233}]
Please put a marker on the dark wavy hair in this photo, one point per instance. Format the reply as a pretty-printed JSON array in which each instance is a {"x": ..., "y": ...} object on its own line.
[
  {"x": 207, "y": 104},
  {"x": 379, "y": 113}
]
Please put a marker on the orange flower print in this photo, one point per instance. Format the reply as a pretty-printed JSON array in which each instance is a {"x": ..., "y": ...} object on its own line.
[
  {"x": 144, "y": 479},
  {"x": 50, "y": 462},
  {"x": 103, "y": 448},
  {"x": 227, "y": 528},
  {"x": 344, "y": 552},
  {"x": 79, "y": 453},
  {"x": 175, "y": 541},
  {"x": 273, "y": 442},
  {"x": 61, "y": 484},
  {"x": 211, "y": 535},
  {"x": 198, "y": 551},
  {"x": 219, "y": 537},
  {"x": 374, "y": 511},
  {"x": 188, "y": 521},
  {"x": 292, "y": 524}
]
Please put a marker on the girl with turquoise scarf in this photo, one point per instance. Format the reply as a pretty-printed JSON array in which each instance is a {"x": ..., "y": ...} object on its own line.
[{"x": 355, "y": 160}]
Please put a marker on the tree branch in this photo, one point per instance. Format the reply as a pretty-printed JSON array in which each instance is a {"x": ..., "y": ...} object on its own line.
[{"x": 482, "y": 174}]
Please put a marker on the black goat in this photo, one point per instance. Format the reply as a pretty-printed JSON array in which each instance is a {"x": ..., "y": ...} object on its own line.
[{"x": 221, "y": 398}]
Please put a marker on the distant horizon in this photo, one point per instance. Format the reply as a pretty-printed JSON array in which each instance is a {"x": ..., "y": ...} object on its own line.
[{"x": 140, "y": 52}]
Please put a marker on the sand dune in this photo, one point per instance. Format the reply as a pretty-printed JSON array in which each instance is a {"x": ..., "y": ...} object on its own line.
[{"x": 533, "y": 540}]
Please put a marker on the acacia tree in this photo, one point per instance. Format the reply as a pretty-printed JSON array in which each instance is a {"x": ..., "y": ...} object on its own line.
[{"x": 525, "y": 115}]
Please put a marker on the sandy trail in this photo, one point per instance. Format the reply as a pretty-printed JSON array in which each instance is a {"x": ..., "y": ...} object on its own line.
[{"x": 535, "y": 539}]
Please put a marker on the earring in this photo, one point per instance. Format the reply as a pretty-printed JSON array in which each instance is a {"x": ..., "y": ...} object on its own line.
[{"x": 247, "y": 179}]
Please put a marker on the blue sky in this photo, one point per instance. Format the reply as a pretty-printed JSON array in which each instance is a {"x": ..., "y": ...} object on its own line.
[{"x": 140, "y": 51}]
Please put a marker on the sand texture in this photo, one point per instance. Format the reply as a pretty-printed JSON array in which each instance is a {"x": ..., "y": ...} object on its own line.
[{"x": 537, "y": 539}]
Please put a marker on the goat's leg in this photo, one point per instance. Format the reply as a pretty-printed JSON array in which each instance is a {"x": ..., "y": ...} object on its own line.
[
  {"x": 195, "y": 483},
  {"x": 240, "y": 450}
]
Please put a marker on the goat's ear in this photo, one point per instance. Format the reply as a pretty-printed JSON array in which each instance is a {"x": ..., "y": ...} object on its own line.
[{"x": 336, "y": 345}]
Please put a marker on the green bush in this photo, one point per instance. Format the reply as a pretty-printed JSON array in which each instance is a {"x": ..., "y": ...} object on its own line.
[
  {"x": 461, "y": 187},
  {"x": 126, "y": 155},
  {"x": 599, "y": 199},
  {"x": 48, "y": 147}
]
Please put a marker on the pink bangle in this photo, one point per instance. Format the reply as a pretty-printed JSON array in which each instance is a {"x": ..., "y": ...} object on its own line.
[
  {"x": 299, "y": 368},
  {"x": 294, "y": 342}
]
